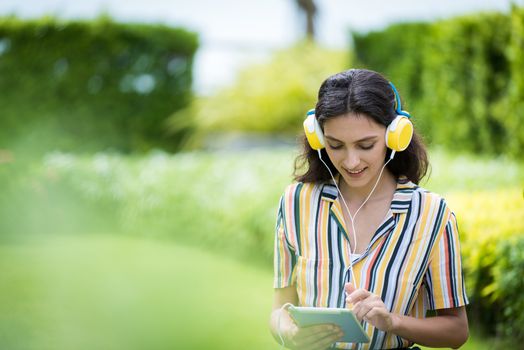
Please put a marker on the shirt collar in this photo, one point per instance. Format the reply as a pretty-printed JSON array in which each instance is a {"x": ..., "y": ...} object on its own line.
[{"x": 401, "y": 198}]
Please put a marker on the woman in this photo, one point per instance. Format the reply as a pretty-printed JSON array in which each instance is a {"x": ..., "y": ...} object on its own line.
[{"x": 395, "y": 260}]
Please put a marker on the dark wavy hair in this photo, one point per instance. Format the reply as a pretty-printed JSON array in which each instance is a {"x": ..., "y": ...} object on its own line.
[{"x": 364, "y": 93}]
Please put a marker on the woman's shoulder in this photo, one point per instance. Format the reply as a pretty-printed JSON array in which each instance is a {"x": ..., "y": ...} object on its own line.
[
  {"x": 426, "y": 196},
  {"x": 301, "y": 191}
]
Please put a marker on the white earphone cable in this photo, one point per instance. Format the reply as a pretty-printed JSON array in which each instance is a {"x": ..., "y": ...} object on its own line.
[
  {"x": 352, "y": 217},
  {"x": 351, "y": 251}
]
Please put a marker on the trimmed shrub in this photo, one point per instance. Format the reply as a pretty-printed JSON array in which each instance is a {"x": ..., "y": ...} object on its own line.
[
  {"x": 88, "y": 86},
  {"x": 462, "y": 78}
]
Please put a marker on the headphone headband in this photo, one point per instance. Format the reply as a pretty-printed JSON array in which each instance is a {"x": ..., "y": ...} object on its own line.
[{"x": 398, "y": 104}]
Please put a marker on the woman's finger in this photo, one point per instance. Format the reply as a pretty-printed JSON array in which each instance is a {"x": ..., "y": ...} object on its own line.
[
  {"x": 313, "y": 338},
  {"x": 358, "y": 295},
  {"x": 315, "y": 330},
  {"x": 366, "y": 306},
  {"x": 321, "y": 343},
  {"x": 380, "y": 318}
]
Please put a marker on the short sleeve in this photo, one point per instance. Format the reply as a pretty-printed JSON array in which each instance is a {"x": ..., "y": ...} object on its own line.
[
  {"x": 444, "y": 278},
  {"x": 284, "y": 252}
]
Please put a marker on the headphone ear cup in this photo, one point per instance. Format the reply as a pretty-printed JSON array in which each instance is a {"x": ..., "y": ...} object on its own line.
[
  {"x": 399, "y": 133},
  {"x": 314, "y": 134}
]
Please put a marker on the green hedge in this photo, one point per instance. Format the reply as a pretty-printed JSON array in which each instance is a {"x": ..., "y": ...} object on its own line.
[
  {"x": 92, "y": 85},
  {"x": 460, "y": 78}
]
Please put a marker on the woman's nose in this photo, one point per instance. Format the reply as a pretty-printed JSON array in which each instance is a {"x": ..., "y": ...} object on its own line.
[{"x": 352, "y": 160}]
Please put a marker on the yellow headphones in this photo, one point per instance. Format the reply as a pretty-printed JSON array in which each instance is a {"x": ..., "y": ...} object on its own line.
[{"x": 398, "y": 133}]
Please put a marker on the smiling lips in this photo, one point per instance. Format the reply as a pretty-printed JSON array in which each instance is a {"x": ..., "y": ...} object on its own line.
[{"x": 355, "y": 172}]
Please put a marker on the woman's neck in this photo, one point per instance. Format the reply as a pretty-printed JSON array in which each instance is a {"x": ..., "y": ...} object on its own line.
[{"x": 356, "y": 196}]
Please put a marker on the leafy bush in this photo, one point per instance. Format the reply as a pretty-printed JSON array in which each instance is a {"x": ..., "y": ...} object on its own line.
[
  {"x": 225, "y": 202},
  {"x": 461, "y": 78},
  {"x": 269, "y": 97},
  {"x": 508, "y": 287},
  {"x": 396, "y": 52},
  {"x": 492, "y": 233},
  {"x": 91, "y": 85}
]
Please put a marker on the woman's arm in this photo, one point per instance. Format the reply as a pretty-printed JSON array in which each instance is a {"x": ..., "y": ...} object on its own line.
[
  {"x": 448, "y": 329},
  {"x": 281, "y": 297},
  {"x": 317, "y": 337}
]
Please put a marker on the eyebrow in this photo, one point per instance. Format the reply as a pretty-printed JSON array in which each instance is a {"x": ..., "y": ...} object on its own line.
[{"x": 368, "y": 138}]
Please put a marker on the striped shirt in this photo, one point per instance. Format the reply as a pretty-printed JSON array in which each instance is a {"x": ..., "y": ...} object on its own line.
[{"x": 412, "y": 262}]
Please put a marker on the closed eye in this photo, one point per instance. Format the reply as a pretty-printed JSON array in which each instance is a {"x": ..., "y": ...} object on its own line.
[
  {"x": 367, "y": 147},
  {"x": 335, "y": 147}
]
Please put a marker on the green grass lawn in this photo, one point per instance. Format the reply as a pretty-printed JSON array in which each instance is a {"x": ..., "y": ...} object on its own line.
[
  {"x": 114, "y": 292},
  {"x": 110, "y": 292}
]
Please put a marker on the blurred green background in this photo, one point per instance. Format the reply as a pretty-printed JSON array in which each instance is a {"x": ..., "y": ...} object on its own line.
[{"x": 137, "y": 213}]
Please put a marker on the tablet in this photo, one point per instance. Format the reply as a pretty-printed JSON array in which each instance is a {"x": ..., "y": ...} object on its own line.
[{"x": 344, "y": 318}]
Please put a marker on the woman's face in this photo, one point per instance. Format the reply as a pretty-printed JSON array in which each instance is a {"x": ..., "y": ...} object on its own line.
[{"x": 356, "y": 146}]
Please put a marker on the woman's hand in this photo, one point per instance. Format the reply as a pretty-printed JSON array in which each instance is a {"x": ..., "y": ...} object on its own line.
[
  {"x": 370, "y": 308},
  {"x": 317, "y": 337}
]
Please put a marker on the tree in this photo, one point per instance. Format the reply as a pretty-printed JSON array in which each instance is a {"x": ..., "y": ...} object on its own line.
[{"x": 309, "y": 9}]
